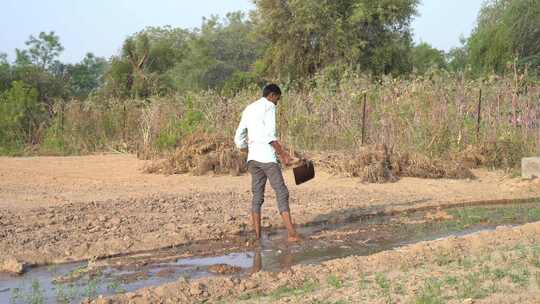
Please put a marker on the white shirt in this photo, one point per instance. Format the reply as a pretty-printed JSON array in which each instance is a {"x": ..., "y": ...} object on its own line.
[{"x": 257, "y": 129}]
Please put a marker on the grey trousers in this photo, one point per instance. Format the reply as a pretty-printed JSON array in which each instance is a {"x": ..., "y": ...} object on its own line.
[{"x": 260, "y": 172}]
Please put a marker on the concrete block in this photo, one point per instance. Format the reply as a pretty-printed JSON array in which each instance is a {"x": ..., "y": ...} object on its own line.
[{"x": 530, "y": 167}]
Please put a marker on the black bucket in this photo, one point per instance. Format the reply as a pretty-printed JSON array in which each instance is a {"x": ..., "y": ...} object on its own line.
[{"x": 304, "y": 172}]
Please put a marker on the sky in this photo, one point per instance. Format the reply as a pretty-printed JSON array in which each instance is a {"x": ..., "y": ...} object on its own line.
[{"x": 100, "y": 26}]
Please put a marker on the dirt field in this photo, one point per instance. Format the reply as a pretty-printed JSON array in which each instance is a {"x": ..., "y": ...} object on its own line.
[
  {"x": 55, "y": 210},
  {"x": 490, "y": 267}
]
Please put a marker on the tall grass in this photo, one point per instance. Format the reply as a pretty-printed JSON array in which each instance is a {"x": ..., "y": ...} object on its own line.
[{"x": 436, "y": 114}]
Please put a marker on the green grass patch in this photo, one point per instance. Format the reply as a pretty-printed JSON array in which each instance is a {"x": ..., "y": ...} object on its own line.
[
  {"x": 520, "y": 277},
  {"x": 281, "y": 292},
  {"x": 431, "y": 292},
  {"x": 334, "y": 281}
]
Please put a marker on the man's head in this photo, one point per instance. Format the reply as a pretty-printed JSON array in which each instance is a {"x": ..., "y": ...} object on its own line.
[{"x": 272, "y": 92}]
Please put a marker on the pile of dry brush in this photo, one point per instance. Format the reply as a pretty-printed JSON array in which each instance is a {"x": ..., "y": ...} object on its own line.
[
  {"x": 201, "y": 153},
  {"x": 379, "y": 164}
]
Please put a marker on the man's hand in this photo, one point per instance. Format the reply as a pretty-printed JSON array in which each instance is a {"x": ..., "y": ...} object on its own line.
[
  {"x": 283, "y": 155},
  {"x": 285, "y": 158}
]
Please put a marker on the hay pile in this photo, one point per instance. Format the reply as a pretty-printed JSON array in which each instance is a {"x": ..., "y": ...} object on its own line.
[
  {"x": 501, "y": 154},
  {"x": 201, "y": 153},
  {"x": 372, "y": 164},
  {"x": 379, "y": 164},
  {"x": 421, "y": 166}
]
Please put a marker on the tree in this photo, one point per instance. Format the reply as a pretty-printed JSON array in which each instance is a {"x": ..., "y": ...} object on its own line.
[
  {"x": 20, "y": 116},
  {"x": 305, "y": 36},
  {"x": 86, "y": 76},
  {"x": 146, "y": 57},
  {"x": 425, "y": 57},
  {"x": 221, "y": 54},
  {"x": 457, "y": 57},
  {"x": 5, "y": 73},
  {"x": 44, "y": 49},
  {"x": 506, "y": 30},
  {"x": 39, "y": 68}
]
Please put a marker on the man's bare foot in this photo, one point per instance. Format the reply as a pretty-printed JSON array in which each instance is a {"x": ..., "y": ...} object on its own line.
[
  {"x": 294, "y": 238},
  {"x": 254, "y": 242}
]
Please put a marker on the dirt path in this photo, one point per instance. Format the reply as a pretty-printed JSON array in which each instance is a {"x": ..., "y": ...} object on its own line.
[{"x": 63, "y": 209}]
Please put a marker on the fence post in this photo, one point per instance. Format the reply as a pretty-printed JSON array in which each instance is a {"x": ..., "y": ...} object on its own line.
[
  {"x": 125, "y": 121},
  {"x": 62, "y": 110},
  {"x": 364, "y": 119},
  {"x": 479, "y": 117}
]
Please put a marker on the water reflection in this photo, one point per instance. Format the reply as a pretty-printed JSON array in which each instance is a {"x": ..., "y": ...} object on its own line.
[{"x": 284, "y": 257}]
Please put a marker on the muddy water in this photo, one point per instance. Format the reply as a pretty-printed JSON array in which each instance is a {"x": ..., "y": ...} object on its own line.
[{"x": 74, "y": 282}]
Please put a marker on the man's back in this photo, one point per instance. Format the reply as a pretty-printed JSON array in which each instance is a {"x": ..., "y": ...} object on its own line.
[{"x": 257, "y": 129}]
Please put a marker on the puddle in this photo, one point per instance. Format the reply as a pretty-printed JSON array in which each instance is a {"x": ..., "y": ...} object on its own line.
[{"x": 71, "y": 283}]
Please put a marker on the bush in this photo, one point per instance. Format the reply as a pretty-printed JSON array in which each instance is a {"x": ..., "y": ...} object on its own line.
[{"x": 20, "y": 118}]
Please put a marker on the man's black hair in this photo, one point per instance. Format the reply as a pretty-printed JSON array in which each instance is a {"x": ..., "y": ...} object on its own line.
[{"x": 271, "y": 88}]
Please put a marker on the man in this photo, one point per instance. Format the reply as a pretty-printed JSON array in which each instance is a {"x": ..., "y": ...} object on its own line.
[{"x": 257, "y": 133}]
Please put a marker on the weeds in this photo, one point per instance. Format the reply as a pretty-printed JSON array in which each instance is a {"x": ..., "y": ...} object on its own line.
[
  {"x": 443, "y": 258},
  {"x": 471, "y": 287},
  {"x": 363, "y": 282},
  {"x": 434, "y": 116},
  {"x": 384, "y": 285},
  {"x": 33, "y": 296},
  {"x": 115, "y": 287},
  {"x": 90, "y": 291},
  {"x": 500, "y": 274},
  {"x": 399, "y": 288},
  {"x": 520, "y": 277},
  {"x": 450, "y": 280},
  {"x": 309, "y": 286},
  {"x": 281, "y": 292},
  {"x": 16, "y": 294},
  {"x": 335, "y": 282},
  {"x": 330, "y": 302},
  {"x": 430, "y": 293}
]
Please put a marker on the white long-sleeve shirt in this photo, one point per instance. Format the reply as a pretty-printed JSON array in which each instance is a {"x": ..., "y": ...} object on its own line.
[{"x": 257, "y": 129}]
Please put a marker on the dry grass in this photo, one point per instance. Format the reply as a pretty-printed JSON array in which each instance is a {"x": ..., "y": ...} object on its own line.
[
  {"x": 380, "y": 164},
  {"x": 435, "y": 116},
  {"x": 502, "y": 154},
  {"x": 201, "y": 153}
]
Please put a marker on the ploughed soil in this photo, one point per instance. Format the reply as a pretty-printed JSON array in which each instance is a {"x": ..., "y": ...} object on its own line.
[
  {"x": 72, "y": 208},
  {"x": 55, "y": 210},
  {"x": 500, "y": 266}
]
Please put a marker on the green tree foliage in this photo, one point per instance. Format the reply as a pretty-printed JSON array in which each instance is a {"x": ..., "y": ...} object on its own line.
[
  {"x": 220, "y": 54},
  {"x": 158, "y": 60},
  {"x": 5, "y": 73},
  {"x": 141, "y": 68},
  {"x": 457, "y": 57},
  {"x": 42, "y": 50},
  {"x": 38, "y": 67},
  {"x": 506, "y": 30},
  {"x": 425, "y": 57},
  {"x": 20, "y": 116},
  {"x": 86, "y": 76},
  {"x": 306, "y": 36}
]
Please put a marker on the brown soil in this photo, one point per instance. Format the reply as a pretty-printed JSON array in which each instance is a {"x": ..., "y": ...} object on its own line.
[
  {"x": 73, "y": 208},
  {"x": 500, "y": 266},
  {"x": 60, "y": 209}
]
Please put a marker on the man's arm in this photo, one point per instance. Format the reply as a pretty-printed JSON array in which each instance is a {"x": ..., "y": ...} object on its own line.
[
  {"x": 241, "y": 135},
  {"x": 283, "y": 155}
]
